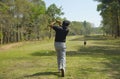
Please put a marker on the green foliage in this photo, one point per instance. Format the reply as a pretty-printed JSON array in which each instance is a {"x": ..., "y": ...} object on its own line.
[
  {"x": 80, "y": 28},
  {"x": 1, "y": 35},
  {"x": 53, "y": 11},
  {"x": 75, "y": 28},
  {"x": 110, "y": 12},
  {"x": 3, "y": 7},
  {"x": 97, "y": 30},
  {"x": 29, "y": 19},
  {"x": 26, "y": 19}
]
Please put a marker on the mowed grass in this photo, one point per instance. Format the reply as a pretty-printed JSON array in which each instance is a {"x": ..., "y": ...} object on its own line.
[{"x": 99, "y": 59}]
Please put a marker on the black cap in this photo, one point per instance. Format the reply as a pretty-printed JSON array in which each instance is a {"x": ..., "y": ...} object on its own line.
[{"x": 66, "y": 23}]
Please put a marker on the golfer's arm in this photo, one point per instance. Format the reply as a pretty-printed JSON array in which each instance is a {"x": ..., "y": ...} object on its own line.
[
  {"x": 59, "y": 22},
  {"x": 52, "y": 24}
]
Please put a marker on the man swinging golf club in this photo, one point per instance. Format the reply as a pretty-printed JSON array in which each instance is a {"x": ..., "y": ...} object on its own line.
[{"x": 61, "y": 32}]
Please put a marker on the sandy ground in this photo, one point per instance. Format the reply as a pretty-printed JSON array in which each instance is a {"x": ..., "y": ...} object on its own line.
[{"x": 8, "y": 46}]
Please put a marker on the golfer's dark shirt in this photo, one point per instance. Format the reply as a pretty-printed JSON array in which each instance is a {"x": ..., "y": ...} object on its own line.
[{"x": 61, "y": 34}]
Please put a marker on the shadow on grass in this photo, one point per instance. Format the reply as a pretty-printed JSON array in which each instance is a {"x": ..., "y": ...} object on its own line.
[
  {"x": 114, "y": 68},
  {"x": 109, "y": 43},
  {"x": 112, "y": 54},
  {"x": 43, "y": 74},
  {"x": 96, "y": 37},
  {"x": 44, "y": 53},
  {"x": 84, "y": 50},
  {"x": 105, "y": 50}
]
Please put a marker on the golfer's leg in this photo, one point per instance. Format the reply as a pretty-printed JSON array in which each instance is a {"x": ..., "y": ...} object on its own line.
[
  {"x": 63, "y": 58},
  {"x": 58, "y": 59},
  {"x": 57, "y": 48}
]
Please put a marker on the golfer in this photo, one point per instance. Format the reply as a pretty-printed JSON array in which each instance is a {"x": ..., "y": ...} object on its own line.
[{"x": 61, "y": 31}]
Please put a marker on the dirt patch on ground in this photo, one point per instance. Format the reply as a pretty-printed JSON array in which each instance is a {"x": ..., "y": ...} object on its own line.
[{"x": 8, "y": 46}]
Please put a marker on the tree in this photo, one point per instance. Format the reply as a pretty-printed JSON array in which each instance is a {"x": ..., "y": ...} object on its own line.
[
  {"x": 75, "y": 28},
  {"x": 110, "y": 11},
  {"x": 80, "y": 28},
  {"x": 53, "y": 12},
  {"x": 21, "y": 19},
  {"x": 4, "y": 21}
]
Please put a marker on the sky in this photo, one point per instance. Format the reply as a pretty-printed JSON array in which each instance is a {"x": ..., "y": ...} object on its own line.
[{"x": 78, "y": 10}]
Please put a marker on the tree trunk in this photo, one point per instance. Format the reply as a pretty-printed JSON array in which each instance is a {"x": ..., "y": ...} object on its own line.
[
  {"x": 1, "y": 41},
  {"x": 117, "y": 23}
]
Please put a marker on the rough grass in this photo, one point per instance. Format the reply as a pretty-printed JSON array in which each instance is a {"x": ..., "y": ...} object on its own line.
[{"x": 99, "y": 59}]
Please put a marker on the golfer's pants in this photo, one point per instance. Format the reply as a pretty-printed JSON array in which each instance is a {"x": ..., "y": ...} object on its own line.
[{"x": 60, "y": 48}]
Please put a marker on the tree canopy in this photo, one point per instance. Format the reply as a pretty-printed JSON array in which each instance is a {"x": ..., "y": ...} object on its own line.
[
  {"x": 29, "y": 19},
  {"x": 110, "y": 12}
]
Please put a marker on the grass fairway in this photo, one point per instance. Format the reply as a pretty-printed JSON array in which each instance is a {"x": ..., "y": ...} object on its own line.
[{"x": 100, "y": 59}]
